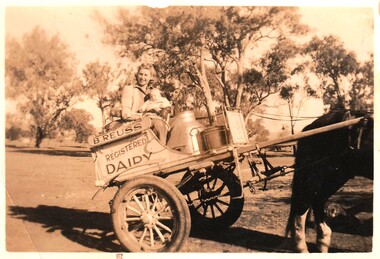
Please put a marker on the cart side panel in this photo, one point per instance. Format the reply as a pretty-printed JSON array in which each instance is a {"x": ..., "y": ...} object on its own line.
[{"x": 138, "y": 154}]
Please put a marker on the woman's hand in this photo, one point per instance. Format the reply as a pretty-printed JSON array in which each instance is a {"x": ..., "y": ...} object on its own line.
[
  {"x": 131, "y": 116},
  {"x": 126, "y": 115}
]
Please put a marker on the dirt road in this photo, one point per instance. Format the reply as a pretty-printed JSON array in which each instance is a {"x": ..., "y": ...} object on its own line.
[{"x": 49, "y": 209}]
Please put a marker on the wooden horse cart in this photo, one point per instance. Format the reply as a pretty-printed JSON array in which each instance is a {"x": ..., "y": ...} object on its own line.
[{"x": 152, "y": 213}]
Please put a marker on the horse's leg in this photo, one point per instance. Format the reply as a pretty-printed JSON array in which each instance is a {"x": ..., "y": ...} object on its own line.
[
  {"x": 299, "y": 233},
  {"x": 299, "y": 207},
  {"x": 323, "y": 230},
  {"x": 332, "y": 183}
]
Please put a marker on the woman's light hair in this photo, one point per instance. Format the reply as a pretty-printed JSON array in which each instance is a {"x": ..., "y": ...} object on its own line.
[{"x": 149, "y": 67}]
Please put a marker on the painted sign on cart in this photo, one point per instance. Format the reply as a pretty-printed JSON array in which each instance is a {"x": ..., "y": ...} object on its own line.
[
  {"x": 127, "y": 156},
  {"x": 128, "y": 129},
  {"x": 123, "y": 154}
]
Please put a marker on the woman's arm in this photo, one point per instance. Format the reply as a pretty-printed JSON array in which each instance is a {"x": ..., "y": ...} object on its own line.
[{"x": 127, "y": 101}]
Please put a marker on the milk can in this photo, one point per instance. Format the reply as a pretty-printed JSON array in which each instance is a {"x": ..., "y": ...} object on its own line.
[
  {"x": 184, "y": 131},
  {"x": 214, "y": 137}
]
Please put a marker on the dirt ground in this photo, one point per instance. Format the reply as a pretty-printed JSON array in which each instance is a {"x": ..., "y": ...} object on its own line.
[{"x": 49, "y": 208}]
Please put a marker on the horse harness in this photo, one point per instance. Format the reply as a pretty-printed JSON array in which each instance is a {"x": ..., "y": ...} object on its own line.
[
  {"x": 356, "y": 143},
  {"x": 353, "y": 143}
]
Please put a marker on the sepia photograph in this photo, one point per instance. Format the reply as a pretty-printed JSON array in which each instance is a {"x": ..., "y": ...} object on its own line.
[{"x": 134, "y": 127}]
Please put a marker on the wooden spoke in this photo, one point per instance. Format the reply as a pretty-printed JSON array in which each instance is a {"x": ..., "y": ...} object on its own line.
[
  {"x": 219, "y": 209},
  {"x": 164, "y": 227},
  {"x": 223, "y": 202},
  {"x": 138, "y": 202},
  {"x": 151, "y": 237},
  {"x": 143, "y": 235},
  {"x": 131, "y": 219},
  {"x": 133, "y": 209},
  {"x": 212, "y": 211},
  {"x": 147, "y": 201},
  {"x": 159, "y": 234}
]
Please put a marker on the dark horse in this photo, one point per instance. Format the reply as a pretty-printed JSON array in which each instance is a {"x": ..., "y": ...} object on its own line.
[{"x": 323, "y": 164}]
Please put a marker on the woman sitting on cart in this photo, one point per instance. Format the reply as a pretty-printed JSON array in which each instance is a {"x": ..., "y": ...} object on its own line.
[{"x": 133, "y": 97}]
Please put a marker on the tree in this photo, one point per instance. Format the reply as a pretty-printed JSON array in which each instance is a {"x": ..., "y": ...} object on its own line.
[
  {"x": 13, "y": 133},
  {"x": 276, "y": 67},
  {"x": 238, "y": 33},
  {"x": 361, "y": 93},
  {"x": 297, "y": 90},
  {"x": 185, "y": 41},
  {"x": 296, "y": 96},
  {"x": 79, "y": 121},
  {"x": 16, "y": 126},
  {"x": 40, "y": 72},
  {"x": 98, "y": 78},
  {"x": 256, "y": 131},
  {"x": 172, "y": 37},
  {"x": 333, "y": 64}
]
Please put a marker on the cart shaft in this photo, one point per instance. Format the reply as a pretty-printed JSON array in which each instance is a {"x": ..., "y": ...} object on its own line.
[{"x": 298, "y": 136}]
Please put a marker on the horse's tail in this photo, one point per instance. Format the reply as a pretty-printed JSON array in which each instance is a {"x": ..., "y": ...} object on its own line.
[
  {"x": 292, "y": 212},
  {"x": 290, "y": 222}
]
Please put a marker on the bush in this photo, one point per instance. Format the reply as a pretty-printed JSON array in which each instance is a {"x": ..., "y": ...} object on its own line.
[{"x": 13, "y": 133}]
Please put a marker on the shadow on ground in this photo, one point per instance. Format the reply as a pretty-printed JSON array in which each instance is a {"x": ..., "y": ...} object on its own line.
[
  {"x": 354, "y": 213},
  {"x": 53, "y": 152},
  {"x": 90, "y": 229},
  {"x": 94, "y": 230},
  {"x": 255, "y": 240}
]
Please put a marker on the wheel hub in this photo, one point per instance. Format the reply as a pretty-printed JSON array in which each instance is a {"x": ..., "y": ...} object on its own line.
[
  {"x": 148, "y": 218},
  {"x": 208, "y": 195}
]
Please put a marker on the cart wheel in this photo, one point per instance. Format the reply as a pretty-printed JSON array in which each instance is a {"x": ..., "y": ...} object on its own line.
[
  {"x": 150, "y": 214},
  {"x": 215, "y": 200}
]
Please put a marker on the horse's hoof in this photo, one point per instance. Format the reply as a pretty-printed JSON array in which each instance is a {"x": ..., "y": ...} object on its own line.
[
  {"x": 323, "y": 248},
  {"x": 300, "y": 249}
]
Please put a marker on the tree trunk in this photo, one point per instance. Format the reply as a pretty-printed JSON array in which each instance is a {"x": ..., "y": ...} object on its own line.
[
  {"x": 292, "y": 124},
  {"x": 207, "y": 91},
  {"x": 209, "y": 101},
  {"x": 39, "y": 137},
  {"x": 340, "y": 99},
  {"x": 294, "y": 147},
  {"x": 240, "y": 86},
  {"x": 225, "y": 89}
]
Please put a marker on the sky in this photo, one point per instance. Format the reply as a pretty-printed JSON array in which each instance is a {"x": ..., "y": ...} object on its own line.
[{"x": 81, "y": 32}]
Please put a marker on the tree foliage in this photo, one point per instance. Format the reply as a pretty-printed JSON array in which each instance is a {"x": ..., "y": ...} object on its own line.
[
  {"x": 256, "y": 131},
  {"x": 79, "y": 121},
  {"x": 361, "y": 92},
  {"x": 98, "y": 81},
  {"x": 297, "y": 88},
  {"x": 238, "y": 56},
  {"x": 14, "y": 133},
  {"x": 238, "y": 34},
  {"x": 276, "y": 67},
  {"x": 184, "y": 42},
  {"x": 16, "y": 126},
  {"x": 346, "y": 83},
  {"x": 40, "y": 72},
  {"x": 172, "y": 38}
]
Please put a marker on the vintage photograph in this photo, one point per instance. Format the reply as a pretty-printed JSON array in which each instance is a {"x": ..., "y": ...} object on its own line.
[{"x": 189, "y": 128}]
